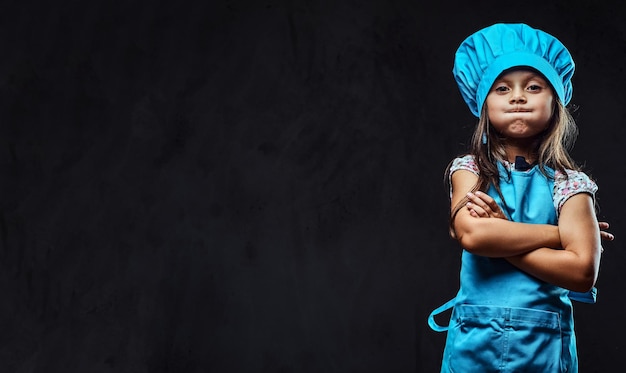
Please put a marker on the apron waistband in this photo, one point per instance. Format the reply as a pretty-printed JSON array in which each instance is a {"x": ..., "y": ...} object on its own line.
[
  {"x": 444, "y": 307},
  {"x": 588, "y": 297}
]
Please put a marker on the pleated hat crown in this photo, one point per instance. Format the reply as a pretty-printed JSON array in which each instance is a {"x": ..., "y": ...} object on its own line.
[{"x": 484, "y": 55}]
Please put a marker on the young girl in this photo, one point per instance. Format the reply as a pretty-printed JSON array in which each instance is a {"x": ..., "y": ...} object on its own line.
[{"x": 520, "y": 208}]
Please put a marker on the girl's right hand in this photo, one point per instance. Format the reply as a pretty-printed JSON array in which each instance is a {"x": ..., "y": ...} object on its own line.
[
  {"x": 606, "y": 236},
  {"x": 481, "y": 205}
]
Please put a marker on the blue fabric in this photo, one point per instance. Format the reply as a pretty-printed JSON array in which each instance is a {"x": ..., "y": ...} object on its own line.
[
  {"x": 484, "y": 55},
  {"x": 504, "y": 320}
]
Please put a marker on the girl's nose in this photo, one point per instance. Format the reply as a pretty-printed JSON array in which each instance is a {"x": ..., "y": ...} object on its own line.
[{"x": 517, "y": 97}]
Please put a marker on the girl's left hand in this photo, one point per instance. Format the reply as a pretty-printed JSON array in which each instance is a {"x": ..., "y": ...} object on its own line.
[{"x": 481, "y": 205}]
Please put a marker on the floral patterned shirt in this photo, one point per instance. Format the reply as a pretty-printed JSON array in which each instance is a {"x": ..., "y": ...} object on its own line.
[{"x": 564, "y": 186}]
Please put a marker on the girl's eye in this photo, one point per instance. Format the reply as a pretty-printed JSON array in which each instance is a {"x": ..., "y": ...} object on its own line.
[
  {"x": 501, "y": 88},
  {"x": 534, "y": 87}
]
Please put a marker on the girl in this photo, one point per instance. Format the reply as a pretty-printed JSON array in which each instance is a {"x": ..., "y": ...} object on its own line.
[{"x": 520, "y": 208}]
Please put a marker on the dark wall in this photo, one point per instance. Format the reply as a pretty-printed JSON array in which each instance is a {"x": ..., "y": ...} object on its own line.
[{"x": 231, "y": 187}]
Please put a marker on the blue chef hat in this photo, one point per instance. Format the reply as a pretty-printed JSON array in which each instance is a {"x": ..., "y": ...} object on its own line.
[{"x": 484, "y": 55}]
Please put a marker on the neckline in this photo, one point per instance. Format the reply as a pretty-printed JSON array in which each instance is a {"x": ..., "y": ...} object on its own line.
[{"x": 510, "y": 166}]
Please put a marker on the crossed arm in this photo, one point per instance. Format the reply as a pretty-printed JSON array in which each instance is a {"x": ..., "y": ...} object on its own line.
[{"x": 483, "y": 229}]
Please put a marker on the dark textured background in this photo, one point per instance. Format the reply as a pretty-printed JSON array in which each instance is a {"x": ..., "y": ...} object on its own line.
[{"x": 258, "y": 187}]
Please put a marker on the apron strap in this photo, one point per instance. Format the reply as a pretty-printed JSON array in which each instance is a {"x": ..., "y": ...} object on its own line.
[
  {"x": 588, "y": 297},
  {"x": 431, "y": 319}
]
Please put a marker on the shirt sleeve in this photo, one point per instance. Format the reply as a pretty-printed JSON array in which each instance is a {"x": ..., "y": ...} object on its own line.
[
  {"x": 466, "y": 163},
  {"x": 566, "y": 187}
]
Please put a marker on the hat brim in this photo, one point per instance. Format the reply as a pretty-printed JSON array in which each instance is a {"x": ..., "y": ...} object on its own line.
[{"x": 517, "y": 59}]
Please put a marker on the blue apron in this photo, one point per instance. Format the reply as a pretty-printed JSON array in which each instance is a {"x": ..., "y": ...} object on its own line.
[{"x": 504, "y": 320}]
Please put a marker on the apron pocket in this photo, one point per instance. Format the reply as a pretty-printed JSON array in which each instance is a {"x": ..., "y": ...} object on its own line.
[{"x": 495, "y": 339}]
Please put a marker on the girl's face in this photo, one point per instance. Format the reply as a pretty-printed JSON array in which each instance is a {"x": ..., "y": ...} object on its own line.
[{"x": 520, "y": 104}]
